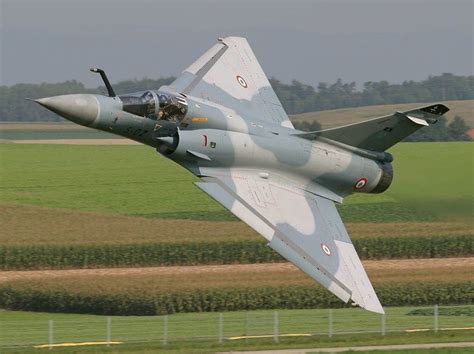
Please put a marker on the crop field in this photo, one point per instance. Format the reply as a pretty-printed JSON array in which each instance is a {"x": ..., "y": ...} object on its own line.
[
  {"x": 148, "y": 291},
  {"x": 74, "y": 206},
  {"x": 343, "y": 116},
  {"x": 78, "y": 199},
  {"x": 432, "y": 181},
  {"x": 106, "y": 255},
  {"x": 51, "y": 226},
  {"x": 164, "y": 279},
  {"x": 64, "y": 239}
]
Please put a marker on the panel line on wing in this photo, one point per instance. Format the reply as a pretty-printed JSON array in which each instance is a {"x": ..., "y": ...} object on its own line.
[
  {"x": 281, "y": 235},
  {"x": 237, "y": 197},
  {"x": 311, "y": 260},
  {"x": 230, "y": 75},
  {"x": 304, "y": 228},
  {"x": 205, "y": 69}
]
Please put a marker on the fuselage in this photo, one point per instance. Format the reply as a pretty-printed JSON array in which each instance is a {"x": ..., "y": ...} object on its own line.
[{"x": 207, "y": 135}]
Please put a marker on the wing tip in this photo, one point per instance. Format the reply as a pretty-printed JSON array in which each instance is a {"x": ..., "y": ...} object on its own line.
[
  {"x": 376, "y": 309},
  {"x": 367, "y": 299},
  {"x": 373, "y": 306},
  {"x": 437, "y": 109}
]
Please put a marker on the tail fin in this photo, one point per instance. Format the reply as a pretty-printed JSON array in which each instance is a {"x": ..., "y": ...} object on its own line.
[{"x": 378, "y": 134}]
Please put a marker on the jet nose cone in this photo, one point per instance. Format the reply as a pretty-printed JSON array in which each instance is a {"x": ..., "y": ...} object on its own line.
[{"x": 81, "y": 109}]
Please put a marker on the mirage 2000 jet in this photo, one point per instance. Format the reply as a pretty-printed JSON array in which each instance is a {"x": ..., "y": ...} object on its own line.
[{"x": 221, "y": 120}]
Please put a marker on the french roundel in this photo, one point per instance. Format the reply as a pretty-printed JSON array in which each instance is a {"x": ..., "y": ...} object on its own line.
[
  {"x": 361, "y": 183},
  {"x": 325, "y": 249},
  {"x": 241, "y": 81}
]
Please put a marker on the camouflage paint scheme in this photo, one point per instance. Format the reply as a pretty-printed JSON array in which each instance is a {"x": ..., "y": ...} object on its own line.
[{"x": 221, "y": 120}]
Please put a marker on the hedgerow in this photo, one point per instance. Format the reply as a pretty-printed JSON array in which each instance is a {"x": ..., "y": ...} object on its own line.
[
  {"x": 30, "y": 297},
  {"x": 228, "y": 252}
]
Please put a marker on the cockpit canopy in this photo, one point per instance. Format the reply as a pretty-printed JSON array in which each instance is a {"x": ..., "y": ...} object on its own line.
[{"x": 156, "y": 105}]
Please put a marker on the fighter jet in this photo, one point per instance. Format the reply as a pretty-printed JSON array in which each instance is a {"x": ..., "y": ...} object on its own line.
[{"x": 221, "y": 120}]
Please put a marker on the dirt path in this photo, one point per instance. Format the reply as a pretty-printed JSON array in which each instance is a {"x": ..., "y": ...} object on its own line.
[
  {"x": 360, "y": 348},
  {"x": 77, "y": 141},
  {"x": 39, "y": 126},
  {"x": 371, "y": 266}
]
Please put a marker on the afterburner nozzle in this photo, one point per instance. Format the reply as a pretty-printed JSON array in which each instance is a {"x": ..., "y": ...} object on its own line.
[{"x": 82, "y": 109}]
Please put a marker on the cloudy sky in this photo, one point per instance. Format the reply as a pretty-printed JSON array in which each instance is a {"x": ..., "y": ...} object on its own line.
[{"x": 311, "y": 41}]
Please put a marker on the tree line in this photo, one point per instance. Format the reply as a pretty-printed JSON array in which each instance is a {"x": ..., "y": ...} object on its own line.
[
  {"x": 295, "y": 97},
  {"x": 14, "y": 106},
  {"x": 300, "y": 98}
]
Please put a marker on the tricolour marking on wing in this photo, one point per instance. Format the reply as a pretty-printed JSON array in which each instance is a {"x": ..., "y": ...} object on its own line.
[
  {"x": 241, "y": 81},
  {"x": 361, "y": 183},
  {"x": 325, "y": 249}
]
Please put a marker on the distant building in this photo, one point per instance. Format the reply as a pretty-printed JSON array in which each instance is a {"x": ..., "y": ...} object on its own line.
[{"x": 470, "y": 132}]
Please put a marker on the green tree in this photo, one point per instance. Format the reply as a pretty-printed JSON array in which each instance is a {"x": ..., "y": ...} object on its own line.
[
  {"x": 435, "y": 132},
  {"x": 457, "y": 129}
]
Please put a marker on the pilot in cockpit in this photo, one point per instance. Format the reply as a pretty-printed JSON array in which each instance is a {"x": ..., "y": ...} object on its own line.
[{"x": 156, "y": 106}]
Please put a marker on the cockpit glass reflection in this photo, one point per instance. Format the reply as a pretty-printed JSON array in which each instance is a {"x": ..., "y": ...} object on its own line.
[{"x": 156, "y": 105}]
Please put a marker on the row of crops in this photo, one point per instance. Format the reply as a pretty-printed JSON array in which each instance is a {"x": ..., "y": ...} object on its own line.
[
  {"x": 38, "y": 296},
  {"x": 22, "y": 257}
]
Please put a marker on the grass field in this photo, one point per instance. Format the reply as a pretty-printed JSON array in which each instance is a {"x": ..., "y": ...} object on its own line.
[
  {"x": 343, "y": 116},
  {"x": 432, "y": 180},
  {"x": 28, "y": 329},
  {"x": 111, "y": 179},
  {"x": 118, "y": 194},
  {"x": 123, "y": 196},
  {"x": 49, "y": 226},
  {"x": 206, "y": 346}
]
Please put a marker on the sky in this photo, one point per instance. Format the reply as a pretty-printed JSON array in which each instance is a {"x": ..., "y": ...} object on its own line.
[{"x": 310, "y": 41}]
